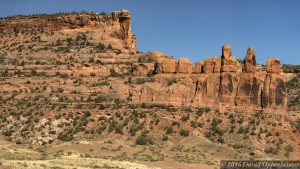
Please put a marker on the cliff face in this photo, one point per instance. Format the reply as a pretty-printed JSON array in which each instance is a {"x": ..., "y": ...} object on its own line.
[
  {"x": 114, "y": 28},
  {"x": 75, "y": 74},
  {"x": 217, "y": 82},
  {"x": 73, "y": 41}
]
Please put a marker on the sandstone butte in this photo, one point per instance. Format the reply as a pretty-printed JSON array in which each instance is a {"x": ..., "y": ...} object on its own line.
[{"x": 217, "y": 81}]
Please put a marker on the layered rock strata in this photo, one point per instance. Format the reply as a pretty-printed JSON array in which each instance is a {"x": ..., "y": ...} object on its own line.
[
  {"x": 114, "y": 28},
  {"x": 216, "y": 82}
]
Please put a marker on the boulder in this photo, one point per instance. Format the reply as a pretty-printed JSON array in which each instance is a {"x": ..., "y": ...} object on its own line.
[
  {"x": 249, "y": 64},
  {"x": 273, "y": 65},
  {"x": 184, "y": 66},
  {"x": 198, "y": 67}
]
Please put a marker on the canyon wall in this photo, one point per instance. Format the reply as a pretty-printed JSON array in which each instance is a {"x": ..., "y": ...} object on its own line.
[
  {"x": 114, "y": 28},
  {"x": 216, "y": 81}
]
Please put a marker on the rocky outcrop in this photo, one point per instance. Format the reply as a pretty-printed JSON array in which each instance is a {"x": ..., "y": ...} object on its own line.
[
  {"x": 274, "y": 93},
  {"x": 114, "y": 28},
  {"x": 217, "y": 64},
  {"x": 142, "y": 69},
  {"x": 165, "y": 65},
  {"x": 217, "y": 82},
  {"x": 184, "y": 66},
  {"x": 198, "y": 67},
  {"x": 249, "y": 91},
  {"x": 273, "y": 65},
  {"x": 208, "y": 66},
  {"x": 274, "y": 90},
  {"x": 249, "y": 64},
  {"x": 249, "y": 88},
  {"x": 229, "y": 63}
]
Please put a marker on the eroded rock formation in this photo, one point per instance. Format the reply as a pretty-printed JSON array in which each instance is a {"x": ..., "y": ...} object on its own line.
[
  {"x": 184, "y": 66},
  {"x": 114, "y": 28},
  {"x": 274, "y": 90},
  {"x": 216, "y": 82}
]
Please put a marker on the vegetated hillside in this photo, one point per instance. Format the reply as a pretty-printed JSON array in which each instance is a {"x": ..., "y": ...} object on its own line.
[
  {"x": 80, "y": 91},
  {"x": 293, "y": 87}
]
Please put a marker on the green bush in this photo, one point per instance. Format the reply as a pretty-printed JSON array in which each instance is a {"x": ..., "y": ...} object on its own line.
[
  {"x": 171, "y": 81},
  {"x": 65, "y": 136},
  {"x": 143, "y": 139},
  {"x": 289, "y": 148},
  {"x": 185, "y": 118},
  {"x": 202, "y": 110},
  {"x": 113, "y": 73},
  {"x": 140, "y": 81},
  {"x": 165, "y": 138},
  {"x": 119, "y": 129},
  {"x": 7, "y": 133},
  {"x": 169, "y": 130},
  {"x": 271, "y": 150},
  {"x": 184, "y": 133}
]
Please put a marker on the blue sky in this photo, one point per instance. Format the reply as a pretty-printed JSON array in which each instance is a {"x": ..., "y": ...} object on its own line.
[{"x": 195, "y": 28}]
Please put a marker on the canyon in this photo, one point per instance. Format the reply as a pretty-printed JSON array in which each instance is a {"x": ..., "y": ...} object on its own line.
[{"x": 73, "y": 82}]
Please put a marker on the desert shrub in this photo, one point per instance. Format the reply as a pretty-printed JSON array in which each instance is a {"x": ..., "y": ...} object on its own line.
[
  {"x": 165, "y": 138},
  {"x": 65, "y": 136},
  {"x": 297, "y": 125},
  {"x": 171, "y": 109},
  {"x": 194, "y": 124},
  {"x": 143, "y": 139},
  {"x": 237, "y": 146},
  {"x": 100, "y": 99},
  {"x": 140, "y": 81},
  {"x": 113, "y": 73},
  {"x": 202, "y": 110},
  {"x": 289, "y": 148},
  {"x": 105, "y": 83},
  {"x": 100, "y": 47},
  {"x": 133, "y": 130},
  {"x": 7, "y": 133},
  {"x": 169, "y": 129},
  {"x": 220, "y": 139},
  {"x": 184, "y": 133},
  {"x": 112, "y": 126},
  {"x": 171, "y": 81},
  {"x": 216, "y": 122},
  {"x": 243, "y": 130},
  {"x": 2, "y": 58},
  {"x": 294, "y": 83},
  {"x": 185, "y": 118},
  {"x": 271, "y": 150},
  {"x": 119, "y": 129},
  {"x": 91, "y": 60},
  {"x": 175, "y": 123}
]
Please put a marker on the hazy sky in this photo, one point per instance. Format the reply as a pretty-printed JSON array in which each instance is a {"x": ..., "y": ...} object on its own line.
[{"x": 195, "y": 28}]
